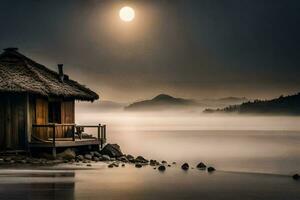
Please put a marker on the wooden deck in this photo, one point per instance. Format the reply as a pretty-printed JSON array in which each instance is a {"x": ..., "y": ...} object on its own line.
[
  {"x": 53, "y": 142},
  {"x": 67, "y": 142}
]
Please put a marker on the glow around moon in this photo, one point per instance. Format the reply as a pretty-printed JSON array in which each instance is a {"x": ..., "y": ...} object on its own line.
[{"x": 127, "y": 14}]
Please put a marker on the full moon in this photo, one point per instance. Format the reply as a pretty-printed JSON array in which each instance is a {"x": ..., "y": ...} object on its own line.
[{"x": 127, "y": 14}]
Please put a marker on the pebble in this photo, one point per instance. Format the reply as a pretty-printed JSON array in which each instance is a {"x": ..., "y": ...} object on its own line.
[
  {"x": 185, "y": 166},
  {"x": 161, "y": 168},
  {"x": 211, "y": 169},
  {"x": 201, "y": 166},
  {"x": 138, "y": 165},
  {"x": 296, "y": 176}
]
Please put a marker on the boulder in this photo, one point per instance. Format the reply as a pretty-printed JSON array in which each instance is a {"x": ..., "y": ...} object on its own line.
[
  {"x": 79, "y": 157},
  {"x": 185, "y": 166},
  {"x": 211, "y": 169},
  {"x": 112, "y": 159},
  {"x": 96, "y": 159},
  {"x": 7, "y": 159},
  {"x": 141, "y": 159},
  {"x": 138, "y": 165},
  {"x": 68, "y": 154},
  {"x": 97, "y": 154},
  {"x": 123, "y": 159},
  {"x": 296, "y": 176},
  {"x": 161, "y": 168},
  {"x": 201, "y": 166},
  {"x": 88, "y": 156},
  {"x": 113, "y": 150},
  {"x": 105, "y": 158},
  {"x": 130, "y": 158}
]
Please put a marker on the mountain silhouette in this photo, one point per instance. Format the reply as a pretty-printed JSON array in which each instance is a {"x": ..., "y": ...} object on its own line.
[
  {"x": 285, "y": 105},
  {"x": 161, "y": 101}
]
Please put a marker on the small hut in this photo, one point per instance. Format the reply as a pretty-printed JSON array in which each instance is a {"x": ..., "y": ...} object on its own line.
[{"x": 37, "y": 106}]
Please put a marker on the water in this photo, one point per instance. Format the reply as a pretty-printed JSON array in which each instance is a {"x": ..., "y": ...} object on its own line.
[{"x": 254, "y": 157}]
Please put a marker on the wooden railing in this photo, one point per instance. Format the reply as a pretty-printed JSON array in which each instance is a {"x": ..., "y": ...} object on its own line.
[{"x": 53, "y": 127}]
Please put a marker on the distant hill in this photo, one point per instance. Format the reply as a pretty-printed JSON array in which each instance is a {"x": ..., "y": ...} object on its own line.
[
  {"x": 284, "y": 105},
  {"x": 162, "y": 101},
  {"x": 223, "y": 102}
]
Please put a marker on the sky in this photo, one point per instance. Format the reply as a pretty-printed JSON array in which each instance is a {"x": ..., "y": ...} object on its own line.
[{"x": 187, "y": 48}]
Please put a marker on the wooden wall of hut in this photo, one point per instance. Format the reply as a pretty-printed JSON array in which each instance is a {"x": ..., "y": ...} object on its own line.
[
  {"x": 13, "y": 121},
  {"x": 67, "y": 116}
]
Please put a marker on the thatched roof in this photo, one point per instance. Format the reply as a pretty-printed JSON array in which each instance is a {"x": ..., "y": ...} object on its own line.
[{"x": 21, "y": 74}]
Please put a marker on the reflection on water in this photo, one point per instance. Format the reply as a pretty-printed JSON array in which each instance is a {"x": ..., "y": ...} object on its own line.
[
  {"x": 36, "y": 184},
  {"x": 146, "y": 183}
]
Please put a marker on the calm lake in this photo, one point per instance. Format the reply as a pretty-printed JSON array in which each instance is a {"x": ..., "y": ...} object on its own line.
[{"x": 253, "y": 156}]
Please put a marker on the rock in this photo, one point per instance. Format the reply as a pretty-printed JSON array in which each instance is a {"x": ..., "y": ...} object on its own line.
[
  {"x": 89, "y": 165},
  {"x": 130, "y": 158},
  {"x": 154, "y": 163},
  {"x": 174, "y": 163},
  {"x": 7, "y": 159},
  {"x": 138, "y": 165},
  {"x": 97, "y": 154},
  {"x": 296, "y": 176},
  {"x": 123, "y": 159},
  {"x": 164, "y": 162},
  {"x": 185, "y": 166},
  {"x": 23, "y": 161},
  {"x": 79, "y": 157},
  {"x": 95, "y": 159},
  {"x": 92, "y": 153},
  {"x": 211, "y": 169},
  {"x": 141, "y": 159},
  {"x": 169, "y": 165},
  {"x": 110, "y": 166},
  {"x": 84, "y": 161},
  {"x": 88, "y": 156},
  {"x": 115, "y": 164},
  {"x": 112, "y": 159},
  {"x": 68, "y": 154},
  {"x": 105, "y": 158},
  {"x": 123, "y": 165},
  {"x": 112, "y": 150},
  {"x": 201, "y": 166},
  {"x": 161, "y": 168}
]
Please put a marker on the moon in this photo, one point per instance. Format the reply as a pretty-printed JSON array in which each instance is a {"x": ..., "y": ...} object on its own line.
[{"x": 127, "y": 14}]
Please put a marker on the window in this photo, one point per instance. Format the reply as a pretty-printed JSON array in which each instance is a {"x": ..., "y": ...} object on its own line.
[{"x": 54, "y": 112}]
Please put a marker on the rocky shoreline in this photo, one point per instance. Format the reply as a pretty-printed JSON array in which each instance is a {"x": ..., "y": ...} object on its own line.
[{"x": 111, "y": 155}]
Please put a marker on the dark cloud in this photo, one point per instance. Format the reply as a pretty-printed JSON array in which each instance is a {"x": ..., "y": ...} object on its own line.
[{"x": 194, "y": 48}]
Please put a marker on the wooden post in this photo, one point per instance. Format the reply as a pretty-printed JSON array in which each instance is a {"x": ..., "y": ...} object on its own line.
[
  {"x": 73, "y": 131},
  {"x": 104, "y": 128},
  {"x": 101, "y": 137},
  {"x": 53, "y": 148},
  {"x": 99, "y": 127}
]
